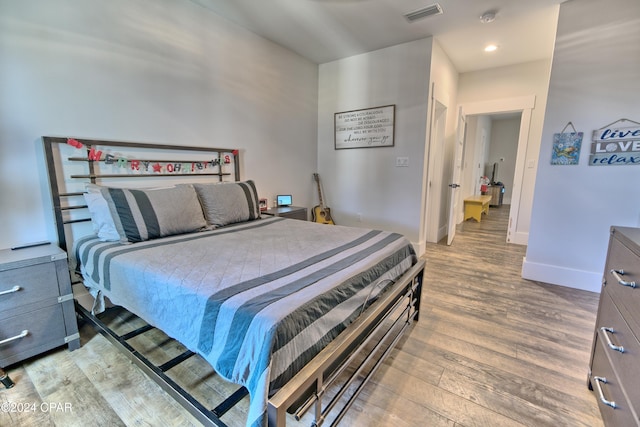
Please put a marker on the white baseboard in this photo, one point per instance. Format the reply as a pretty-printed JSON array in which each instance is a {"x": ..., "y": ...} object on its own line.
[
  {"x": 442, "y": 232},
  {"x": 556, "y": 275},
  {"x": 519, "y": 238}
]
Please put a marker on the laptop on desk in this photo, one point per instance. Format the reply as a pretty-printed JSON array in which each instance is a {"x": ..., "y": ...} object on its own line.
[{"x": 284, "y": 200}]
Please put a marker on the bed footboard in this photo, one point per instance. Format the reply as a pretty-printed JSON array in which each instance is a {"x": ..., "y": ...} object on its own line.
[
  {"x": 388, "y": 318},
  {"x": 361, "y": 349}
]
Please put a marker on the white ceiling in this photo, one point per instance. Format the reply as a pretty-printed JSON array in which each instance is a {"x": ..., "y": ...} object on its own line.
[{"x": 326, "y": 30}]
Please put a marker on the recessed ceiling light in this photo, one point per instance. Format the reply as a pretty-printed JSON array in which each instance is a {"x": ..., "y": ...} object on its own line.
[{"x": 491, "y": 48}]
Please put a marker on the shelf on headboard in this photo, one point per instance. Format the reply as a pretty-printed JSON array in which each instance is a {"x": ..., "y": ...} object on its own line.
[
  {"x": 146, "y": 175},
  {"x": 213, "y": 157}
]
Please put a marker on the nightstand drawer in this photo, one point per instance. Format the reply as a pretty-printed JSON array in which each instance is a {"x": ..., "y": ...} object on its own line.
[
  {"x": 300, "y": 214},
  {"x": 293, "y": 212},
  {"x": 26, "y": 285},
  {"x": 45, "y": 328}
]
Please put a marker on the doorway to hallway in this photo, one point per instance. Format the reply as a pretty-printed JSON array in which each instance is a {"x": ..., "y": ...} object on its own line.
[
  {"x": 520, "y": 208},
  {"x": 490, "y": 158}
]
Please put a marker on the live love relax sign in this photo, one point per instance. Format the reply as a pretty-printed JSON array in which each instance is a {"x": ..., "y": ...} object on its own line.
[{"x": 615, "y": 146}]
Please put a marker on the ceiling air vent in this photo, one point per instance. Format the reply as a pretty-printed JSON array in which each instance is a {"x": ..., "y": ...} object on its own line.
[{"x": 434, "y": 9}]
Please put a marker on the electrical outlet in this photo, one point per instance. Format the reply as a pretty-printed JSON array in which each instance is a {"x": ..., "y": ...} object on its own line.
[
  {"x": 402, "y": 162},
  {"x": 359, "y": 217}
]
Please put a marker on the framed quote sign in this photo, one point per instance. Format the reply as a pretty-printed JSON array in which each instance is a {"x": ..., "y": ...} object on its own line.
[{"x": 366, "y": 128}]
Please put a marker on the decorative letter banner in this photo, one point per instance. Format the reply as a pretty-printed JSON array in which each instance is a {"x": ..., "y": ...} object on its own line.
[{"x": 177, "y": 167}]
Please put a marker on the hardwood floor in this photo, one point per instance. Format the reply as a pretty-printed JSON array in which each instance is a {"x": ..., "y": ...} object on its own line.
[{"x": 490, "y": 349}]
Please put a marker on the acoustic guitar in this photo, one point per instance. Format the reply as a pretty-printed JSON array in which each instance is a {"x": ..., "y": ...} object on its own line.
[{"x": 321, "y": 213}]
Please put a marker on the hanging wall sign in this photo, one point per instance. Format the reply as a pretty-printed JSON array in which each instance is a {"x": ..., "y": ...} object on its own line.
[
  {"x": 370, "y": 127},
  {"x": 613, "y": 145},
  {"x": 566, "y": 147}
]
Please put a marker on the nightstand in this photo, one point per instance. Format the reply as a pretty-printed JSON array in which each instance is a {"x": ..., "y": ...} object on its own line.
[
  {"x": 294, "y": 212},
  {"x": 36, "y": 303}
]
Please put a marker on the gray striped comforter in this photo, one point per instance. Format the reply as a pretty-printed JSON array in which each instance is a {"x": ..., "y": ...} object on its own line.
[{"x": 257, "y": 300}]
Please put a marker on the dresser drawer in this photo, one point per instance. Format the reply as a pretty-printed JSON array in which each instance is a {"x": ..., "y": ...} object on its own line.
[
  {"x": 627, "y": 362},
  {"x": 627, "y": 298},
  {"x": 622, "y": 414},
  {"x": 45, "y": 328},
  {"x": 34, "y": 283}
]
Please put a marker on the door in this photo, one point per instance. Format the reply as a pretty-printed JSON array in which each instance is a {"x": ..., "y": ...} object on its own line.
[
  {"x": 438, "y": 178},
  {"x": 456, "y": 174}
]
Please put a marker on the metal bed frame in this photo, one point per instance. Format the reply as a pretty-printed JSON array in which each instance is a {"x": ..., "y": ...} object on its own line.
[{"x": 374, "y": 334}]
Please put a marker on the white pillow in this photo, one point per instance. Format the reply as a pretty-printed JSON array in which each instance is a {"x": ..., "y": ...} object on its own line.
[{"x": 101, "y": 218}]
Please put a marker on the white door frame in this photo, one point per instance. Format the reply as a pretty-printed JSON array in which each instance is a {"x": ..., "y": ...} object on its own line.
[{"x": 525, "y": 105}]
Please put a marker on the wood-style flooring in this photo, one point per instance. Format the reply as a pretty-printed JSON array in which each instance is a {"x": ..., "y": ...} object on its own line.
[{"x": 490, "y": 349}]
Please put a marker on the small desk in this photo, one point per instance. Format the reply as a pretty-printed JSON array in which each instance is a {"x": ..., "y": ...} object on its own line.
[{"x": 475, "y": 206}]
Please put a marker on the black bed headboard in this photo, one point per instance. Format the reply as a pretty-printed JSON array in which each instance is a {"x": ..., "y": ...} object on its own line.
[{"x": 73, "y": 162}]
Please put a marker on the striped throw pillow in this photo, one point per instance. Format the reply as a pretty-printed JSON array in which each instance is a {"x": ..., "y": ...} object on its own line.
[
  {"x": 228, "y": 202},
  {"x": 145, "y": 214}
]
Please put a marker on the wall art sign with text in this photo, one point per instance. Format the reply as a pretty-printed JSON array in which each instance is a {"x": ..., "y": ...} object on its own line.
[
  {"x": 615, "y": 146},
  {"x": 370, "y": 127}
]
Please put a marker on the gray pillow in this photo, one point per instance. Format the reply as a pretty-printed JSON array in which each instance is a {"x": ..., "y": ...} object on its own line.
[
  {"x": 228, "y": 202},
  {"x": 144, "y": 214}
]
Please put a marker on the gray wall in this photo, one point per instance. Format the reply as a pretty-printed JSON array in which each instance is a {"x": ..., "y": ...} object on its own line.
[
  {"x": 503, "y": 147},
  {"x": 366, "y": 180},
  {"x": 594, "y": 82},
  {"x": 145, "y": 70}
]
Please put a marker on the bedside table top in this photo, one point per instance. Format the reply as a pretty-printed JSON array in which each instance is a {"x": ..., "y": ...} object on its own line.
[
  {"x": 10, "y": 258},
  {"x": 282, "y": 209}
]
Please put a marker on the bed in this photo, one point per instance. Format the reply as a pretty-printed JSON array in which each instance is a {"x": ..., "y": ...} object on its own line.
[{"x": 279, "y": 306}]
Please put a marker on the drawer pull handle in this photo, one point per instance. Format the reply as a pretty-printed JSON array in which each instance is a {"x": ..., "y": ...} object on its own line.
[
  {"x": 10, "y": 291},
  {"x": 17, "y": 337},
  {"x": 617, "y": 274},
  {"x": 604, "y": 331},
  {"x": 599, "y": 380}
]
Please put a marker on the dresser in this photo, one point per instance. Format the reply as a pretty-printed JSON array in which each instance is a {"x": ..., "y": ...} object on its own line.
[
  {"x": 36, "y": 303},
  {"x": 496, "y": 191},
  {"x": 614, "y": 372},
  {"x": 294, "y": 212}
]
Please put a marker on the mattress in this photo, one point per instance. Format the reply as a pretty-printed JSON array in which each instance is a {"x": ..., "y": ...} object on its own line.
[{"x": 258, "y": 299}]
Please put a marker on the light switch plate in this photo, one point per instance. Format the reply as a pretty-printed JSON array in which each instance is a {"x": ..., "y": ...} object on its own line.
[{"x": 402, "y": 162}]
